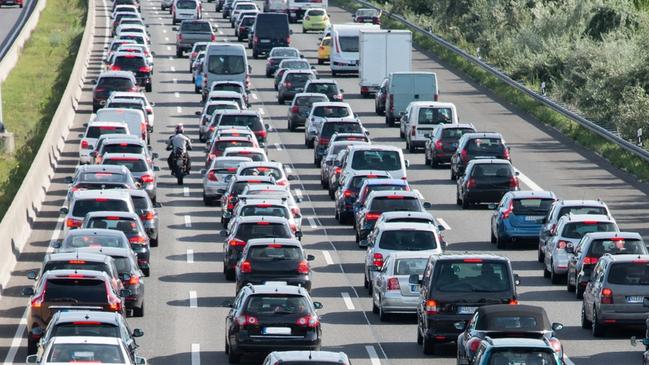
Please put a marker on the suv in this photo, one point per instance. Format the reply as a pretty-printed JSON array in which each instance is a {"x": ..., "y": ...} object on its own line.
[
  {"x": 84, "y": 202},
  {"x": 328, "y": 87},
  {"x": 474, "y": 145},
  {"x": 137, "y": 64},
  {"x": 485, "y": 181},
  {"x": 421, "y": 118},
  {"x": 269, "y": 31},
  {"x": 443, "y": 141},
  {"x": 253, "y": 324},
  {"x": 616, "y": 293},
  {"x": 453, "y": 286}
]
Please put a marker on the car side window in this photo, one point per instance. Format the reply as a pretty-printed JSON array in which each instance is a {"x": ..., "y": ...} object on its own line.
[{"x": 427, "y": 273}]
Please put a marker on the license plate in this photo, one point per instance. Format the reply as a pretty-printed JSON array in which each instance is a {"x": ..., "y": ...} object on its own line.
[
  {"x": 634, "y": 299},
  {"x": 531, "y": 218},
  {"x": 466, "y": 310},
  {"x": 265, "y": 41},
  {"x": 367, "y": 20},
  {"x": 277, "y": 331},
  {"x": 414, "y": 288}
]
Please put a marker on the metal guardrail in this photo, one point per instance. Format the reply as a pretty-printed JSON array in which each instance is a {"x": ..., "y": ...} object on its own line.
[
  {"x": 590, "y": 125},
  {"x": 17, "y": 27}
]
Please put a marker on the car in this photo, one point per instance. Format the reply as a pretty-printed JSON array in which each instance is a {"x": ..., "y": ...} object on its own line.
[
  {"x": 443, "y": 141},
  {"x": 292, "y": 82},
  {"x": 245, "y": 118},
  {"x": 224, "y": 85},
  {"x": 192, "y": 31},
  {"x": 315, "y": 19},
  {"x": 519, "y": 216},
  {"x": 119, "y": 16},
  {"x": 570, "y": 229},
  {"x": 634, "y": 343},
  {"x": 421, "y": 117},
  {"x": 376, "y": 157},
  {"x": 94, "y": 238},
  {"x": 333, "y": 179},
  {"x": 94, "y": 130},
  {"x": 265, "y": 168},
  {"x": 19, "y": 3},
  {"x": 516, "y": 351},
  {"x": 347, "y": 193},
  {"x": 91, "y": 324},
  {"x": 277, "y": 55},
  {"x": 222, "y": 143},
  {"x": 332, "y": 126},
  {"x": 453, "y": 286},
  {"x": 269, "y": 31},
  {"x": 215, "y": 178},
  {"x": 134, "y": 119},
  {"x": 225, "y": 95},
  {"x": 245, "y": 26},
  {"x": 116, "y": 144},
  {"x": 367, "y": 15},
  {"x": 111, "y": 81},
  {"x": 563, "y": 207},
  {"x": 247, "y": 6},
  {"x": 139, "y": 166},
  {"x": 114, "y": 45},
  {"x": 328, "y": 87},
  {"x": 350, "y": 137},
  {"x": 131, "y": 226},
  {"x": 247, "y": 228},
  {"x": 380, "y": 97},
  {"x": 298, "y": 110},
  {"x": 477, "y": 145},
  {"x": 100, "y": 177},
  {"x": 412, "y": 217},
  {"x": 379, "y": 202},
  {"x": 86, "y": 201},
  {"x": 229, "y": 131},
  {"x": 135, "y": 104},
  {"x": 266, "y": 259},
  {"x": 324, "y": 50},
  {"x": 322, "y": 111},
  {"x": 485, "y": 181},
  {"x": 391, "y": 291},
  {"x": 306, "y": 357},
  {"x": 505, "y": 321},
  {"x": 370, "y": 185},
  {"x": 291, "y": 64},
  {"x": 61, "y": 290},
  {"x": 145, "y": 208},
  {"x": 196, "y": 49},
  {"x": 266, "y": 206},
  {"x": 197, "y": 72},
  {"x": 209, "y": 115},
  {"x": 616, "y": 293},
  {"x": 139, "y": 38},
  {"x": 255, "y": 153},
  {"x": 73, "y": 349},
  {"x": 585, "y": 254},
  {"x": 264, "y": 191},
  {"x": 235, "y": 186},
  {"x": 124, "y": 28},
  {"x": 327, "y": 162},
  {"x": 141, "y": 96},
  {"x": 186, "y": 10},
  {"x": 252, "y": 324}
]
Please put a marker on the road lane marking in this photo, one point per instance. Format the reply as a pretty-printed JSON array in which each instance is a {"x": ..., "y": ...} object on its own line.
[
  {"x": 444, "y": 224},
  {"x": 174, "y": 80},
  {"x": 173, "y": 69},
  {"x": 177, "y": 94},
  {"x": 166, "y": 39},
  {"x": 196, "y": 354},
  {"x": 312, "y": 222},
  {"x": 188, "y": 221},
  {"x": 220, "y": 32},
  {"x": 179, "y": 110},
  {"x": 171, "y": 58},
  {"x": 374, "y": 357},
  {"x": 288, "y": 169},
  {"x": 190, "y": 256},
  {"x": 261, "y": 111},
  {"x": 298, "y": 193},
  {"x": 168, "y": 48},
  {"x": 254, "y": 96},
  {"x": 278, "y": 146},
  {"x": 193, "y": 301},
  {"x": 327, "y": 257},
  {"x": 348, "y": 301},
  {"x": 164, "y": 30},
  {"x": 527, "y": 181},
  {"x": 185, "y": 191}
]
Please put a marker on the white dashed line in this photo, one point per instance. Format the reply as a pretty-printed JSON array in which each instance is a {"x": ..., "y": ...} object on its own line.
[
  {"x": 312, "y": 222},
  {"x": 177, "y": 94},
  {"x": 374, "y": 357},
  {"x": 188, "y": 221},
  {"x": 220, "y": 32},
  {"x": 196, "y": 354},
  {"x": 179, "y": 110},
  {"x": 171, "y": 58},
  {"x": 527, "y": 181},
  {"x": 185, "y": 191},
  {"x": 278, "y": 146},
  {"x": 298, "y": 193},
  {"x": 254, "y": 96},
  {"x": 166, "y": 39},
  {"x": 193, "y": 301},
  {"x": 288, "y": 169},
  {"x": 348, "y": 301},
  {"x": 261, "y": 111},
  {"x": 327, "y": 257},
  {"x": 444, "y": 224},
  {"x": 164, "y": 30},
  {"x": 190, "y": 256},
  {"x": 168, "y": 48},
  {"x": 173, "y": 69}
]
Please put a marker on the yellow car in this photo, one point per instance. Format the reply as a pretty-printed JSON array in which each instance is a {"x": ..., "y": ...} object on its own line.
[
  {"x": 315, "y": 19},
  {"x": 324, "y": 50}
]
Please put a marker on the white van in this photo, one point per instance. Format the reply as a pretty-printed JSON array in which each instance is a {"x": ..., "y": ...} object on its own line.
[
  {"x": 225, "y": 62},
  {"x": 297, "y": 8},
  {"x": 135, "y": 120},
  {"x": 344, "y": 55},
  {"x": 421, "y": 117},
  {"x": 275, "y": 6}
]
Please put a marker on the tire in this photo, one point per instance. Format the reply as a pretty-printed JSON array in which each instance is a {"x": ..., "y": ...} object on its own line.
[
  {"x": 453, "y": 176},
  {"x": 239, "y": 38},
  {"x": 333, "y": 73},
  {"x": 180, "y": 179},
  {"x": 280, "y": 101},
  {"x": 411, "y": 148},
  {"x": 255, "y": 55},
  {"x": 366, "y": 284},
  {"x": 420, "y": 338},
  {"x": 403, "y": 136},
  {"x": 207, "y": 201},
  {"x": 197, "y": 90},
  {"x": 570, "y": 288},
  {"x": 138, "y": 312},
  {"x": 555, "y": 278},
  {"x": 500, "y": 243},
  {"x": 427, "y": 160},
  {"x": 390, "y": 121},
  {"x": 585, "y": 323},
  {"x": 291, "y": 127},
  {"x": 320, "y": 62},
  {"x": 148, "y": 88},
  {"x": 310, "y": 143},
  {"x": 493, "y": 237},
  {"x": 234, "y": 357},
  {"x": 465, "y": 204},
  {"x": 154, "y": 242},
  {"x": 428, "y": 346},
  {"x": 179, "y": 52},
  {"x": 598, "y": 329},
  {"x": 434, "y": 163},
  {"x": 230, "y": 274},
  {"x": 146, "y": 272},
  {"x": 303, "y": 30},
  {"x": 579, "y": 292},
  {"x": 383, "y": 316},
  {"x": 546, "y": 273},
  {"x": 32, "y": 346},
  {"x": 332, "y": 194},
  {"x": 539, "y": 255},
  {"x": 375, "y": 309}
]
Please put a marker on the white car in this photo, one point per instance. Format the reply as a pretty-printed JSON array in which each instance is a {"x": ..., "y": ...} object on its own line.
[
  {"x": 421, "y": 118},
  {"x": 137, "y": 95},
  {"x": 323, "y": 111},
  {"x": 375, "y": 157},
  {"x": 94, "y": 130},
  {"x": 85, "y": 349}
]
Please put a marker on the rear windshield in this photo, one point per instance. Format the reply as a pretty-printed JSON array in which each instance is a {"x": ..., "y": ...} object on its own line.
[
  {"x": 513, "y": 322},
  {"x": 331, "y": 111},
  {"x": 96, "y": 132},
  {"x": 123, "y": 148},
  {"x": 579, "y": 229},
  {"x": 123, "y": 264},
  {"x": 583, "y": 210},
  {"x": 485, "y": 146},
  {"x": 295, "y": 64},
  {"x": 274, "y": 252},
  {"x": 85, "y": 352},
  {"x": 228, "y": 87},
  {"x": 408, "y": 240},
  {"x": 629, "y": 273},
  {"x": 81, "y": 328},
  {"x": 255, "y": 156},
  {"x": 410, "y": 266},
  {"x": 199, "y": 47},
  {"x": 241, "y": 7},
  {"x": 472, "y": 276},
  {"x": 376, "y": 160},
  {"x": 226, "y": 64},
  {"x": 492, "y": 170},
  {"x": 247, "y": 231},
  {"x": 532, "y": 206},
  {"x": 262, "y": 171},
  {"x": 187, "y": 5},
  {"x": 126, "y": 105},
  {"x": 616, "y": 247},
  {"x": 329, "y": 128},
  {"x": 277, "y": 304},
  {"x": 127, "y": 226},
  {"x": 222, "y": 145},
  {"x": 275, "y": 26},
  {"x": 248, "y": 20},
  {"x": 522, "y": 356},
  {"x": 85, "y": 206},
  {"x": 140, "y": 202},
  {"x": 129, "y": 62},
  {"x": 75, "y": 290},
  {"x": 230, "y": 165},
  {"x": 316, "y": 12},
  {"x": 309, "y": 100},
  {"x": 91, "y": 240},
  {"x": 299, "y": 78},
  {"x": 284, "y": 52},
  {"x": 435, "y": 116},
  {"x": 367, "y": 13},
  {"x": 211, "y": 108},
  {"x": 134, "y": 165},
  {"x": 231, "y": 99},
  {"x": 372, "y": 188},
  {"x": 101, "y": 177},
  {"x": 455, "y": 133},
  {"x": 76, "y": 265},
  {"x": 357, "y": 181},
  {"x": 348, "y": 44},
  {"x": 137, "y": 38},
  {"x": 240, "y": 185},
  {"x": 322, "y": 88},
  {"x": 386, "y": 204},
  {"x": 250, "y": 121},
  {"x": 265, "y": 209},
  {"x": 115, "y": 83}
]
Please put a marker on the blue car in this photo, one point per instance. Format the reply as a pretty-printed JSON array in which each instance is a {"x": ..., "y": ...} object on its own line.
[
  {"x": 517, "y": 351},
  {"x": 519, "y": 216}
]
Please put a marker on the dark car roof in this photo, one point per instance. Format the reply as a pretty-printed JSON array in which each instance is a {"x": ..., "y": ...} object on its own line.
[{"x": 487, "y": 313}]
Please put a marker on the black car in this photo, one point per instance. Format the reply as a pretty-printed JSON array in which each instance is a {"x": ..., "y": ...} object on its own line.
[
  {"x": 504, "y": 320},
  {"x": 277, "y": 55},
  {"x": 107, "y": 83},
  {"x": 443, "y": 141},
  {"x": 271, "y": 317},
  {"x": 379, "y": 98},
  {"x": 328, "y": 87},
  {"x": 269, "y": 31},
  {"x": 485, "y": 181},
  {"x": 293, "y": 82},
  {"x": 137, "y": 64},
  {"x": 244, "y": 27},
  {"x": 477, "y": 145},
  {"x": 348, "y": 193},
  {"x": 245, "y": 229},
  {"x": 453, "y": 287},
  {"x": 300, "y": 107},
  {"x": 267, "y": 259}
]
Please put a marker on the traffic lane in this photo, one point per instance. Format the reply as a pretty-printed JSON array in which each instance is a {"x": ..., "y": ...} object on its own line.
[{"x": 8, "y": 17}]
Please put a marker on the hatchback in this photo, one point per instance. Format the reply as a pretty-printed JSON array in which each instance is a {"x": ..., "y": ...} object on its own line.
[
  {"x": 277, "y": 55},
  {"x": 293, "y": 82},
  {"x": 100, "y": 177},
  {"x": 245, "y": 118},
  {"x": 348, "y": 192},
  {"x": 94, "y": 130},
  {"x": 209, "y": 117},
  {"x": 235, "y": 186},
  {"x": 84, "y": 202},
  {"x": 300, "y": 107},
  {"x": 516, "y": 351},
  {"x": 291, "y": 64},
  {"x": 485, "y": 181},
  {"x": 83, "y": 349},
  {"x": 328, "y": 87},
  {"x": 216, "y": 177},
  {"x": 139, "y": 166},
  {"x": 92, "y": 238},
  {"x": 315, "y": 19},
  {"x": 327, "y": 162},
  {"x": 443, "y": 141},
  {"x": 111, "y": 81},
  {"x": 477, "y": 145}
]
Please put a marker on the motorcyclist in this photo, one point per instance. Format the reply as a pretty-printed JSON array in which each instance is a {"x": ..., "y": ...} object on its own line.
[{"x": 179, "y": 143}]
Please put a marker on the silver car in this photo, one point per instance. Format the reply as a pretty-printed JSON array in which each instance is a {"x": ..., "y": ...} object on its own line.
[
  {"x": 391, "y": 291},
  {"x": 215, "y": 179},
  {"x": 328, "y": 160}
]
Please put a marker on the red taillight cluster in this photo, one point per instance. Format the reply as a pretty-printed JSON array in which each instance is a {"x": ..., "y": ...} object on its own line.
[
  {"x": 474, "y": 343},
  {"x": 73, "y": 223},
  {"x": 438, "y": 145},
  {"x": 134, "y": 280},
  {"x": 84, "y": 144},
  {"x": 372, "y": 216},
  {"x": 247, "y": 320},
  {"x": 377, "y": 260},
  {"x": 588, "y": 260},
  {"x": 145, "y": 69},
  {"x": 606, "y": 296},
  {"x": 309, "y": 321},
  {"x": 505, "y": 214},
  {"x": 513, "y": 182},
  {"x": 464, "y": 155},
  {"x": 138, "y": 240},
  {"x": 431, "y": 307},
  {"x": 211, "y": 176},
  {"x": 295, "y": 109},
  {"x": 303, "y": 267},
  {"x": 246, "y": 267},
  {"x": 148, "y": 216},
  {"x": 235, "y": 242},
  {"x": 470, "y": 184},
  {"x": 147, "y": 178}
]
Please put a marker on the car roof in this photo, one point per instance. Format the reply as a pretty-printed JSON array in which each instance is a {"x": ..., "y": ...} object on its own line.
[
  {"x": 497, "y": 310},
  {"x": 398, "y": 226},
  {"x": 273, "y": 200},
  {"x": 432, "y": 104},
  {"x": 384, "y": 193},
  {"x": 355, "y": 173},
  {"x": 241, "y": 178},
  {"x": 330, "y": 103},
  {"x": 129, "y": 156},
  {"x": 267, "y": 241},
  {"x": 370, "y": 182},
  {"x": 608, "y": 235},
  {"x": 456, "y": 126},
  {"x": 131, "y": 139},
  {"x": 523, "y": 194},
  {"x": 586, "y": 217},
  {"x": 482, "y": 135},
  {"x": 241, "y": 112},
  {"x": 231, "y": 158},
  {"x": 75, "y": 255},
  {"x": 95, "y": 231},
  {"x": 323, "y": 81},
  {"x": 278, "y": 287},
  {"x": 109, "y": 194},
  {"x": 222, "y": 138},
  {"x": 84, "y": 315},
  {"x": 109, "y": 251},
  {"x": 262, "y": 218},
  {"x": 460, "y": 255},
  {"x": 378, "y": 147},
  {"x": 224, "y": 93},
  {"x": 115, "y": 169},
  {"x": 274, "y": 164},
  {"x": 298, "y": 95},
  {"x": 95, "y": 123},
  {"x": 315, "y": 356},
  {"x": 127, "y": 94},
  {"x": 102, "y": 213},
  {"x": 239, "y": 149},
  {"x": 519, "y": 342}
]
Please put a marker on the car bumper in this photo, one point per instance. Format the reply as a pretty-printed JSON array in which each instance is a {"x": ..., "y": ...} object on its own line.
[
  {"x": 339, "y": 66},
  {"x": 143, "y": 255},
  {"x": 638, "y": 318},
  {"x": 485, "y": 196},
  {"x": 509, "y": 231},
  {"x": 297, "y": 119},
  {"x": 397, "y": 303},
  {"x": 441, "y": 327},
  {"x": 261, "y": 343},
  {"x": 213, "y": 191},
  {"x": 137, "y": 299},
  {"x": 315, "y": 25},
  {"x": 418, "y": 141}
]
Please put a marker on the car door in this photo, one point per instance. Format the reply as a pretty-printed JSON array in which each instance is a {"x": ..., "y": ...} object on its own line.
[
  {"x": 234, "y": 308},
  {"x": 405, "y": 120},
  {"x": 504, "y": 202},
  {"x": 590, "y": 293}
]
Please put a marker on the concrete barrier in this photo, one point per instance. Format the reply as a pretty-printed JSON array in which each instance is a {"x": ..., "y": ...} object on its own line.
[{"x": 16, "y": 226}]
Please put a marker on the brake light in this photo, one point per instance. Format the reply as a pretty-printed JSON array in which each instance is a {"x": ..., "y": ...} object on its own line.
[
  {"x": 84, "y": 144},
  {"x": 246, "y": 267},
  {"x": 348, "y": 193},
  {"x": 73, "y": 223},
  {"x": 287, "y": 84},
  {"x": 145, "y": 69},
  {"x": 255, "y": 39},
  {"x": 513, "y": 301},
  {"x": 393, "y": 284},
  {"x": 296, "y": 212},
  {"x": 431, "y": 307},
  {"x": 309, "y": 321},
  {"x": 377, "y": 260},
  {"x": 211, "y": 156},
  {"x": 472, "y": 261},
  {"x": 288, "y": 39},
  {"x": 589, "y": 260},
  {"x": 438, "y": 145},
  {"x": 555, "y": 344},
  {"x": 211, "y": 176},
  {"x": 76, "y": 262},
  {"x": 263, "y": 223},
  {"x": 323, "y": 141},
  {"x": 101, "y": 200},
  {"x": 148, "y": 216},
  {"x": 138, "y": 240},
  {"x": 506, "y": 154},
  {"x": 413, "y": 131},
  {"x": 114, "y": 303},
  {"x": 470, "y": 184},
  {"x": 247, "y": 320},
  {"x": 261, "y": 134},
  {"x": 606, "y": 296},
  {"x": 436, "y": 97},
  {"x": 295, "y": 109},
  {"x": 464, "y": 155},
  {"x": 235, "y": 242},
  {"x": 282, "y": 183},
  {"x": 508, "y": 211},
  {"x": 397, "y": 197},
  {"x": 87, "y": 323},
  {"x": 37, "y": 302},
  {"x": 241, "y": 29},
  {"x": 561, "y": 244},
  {"x": 391, "y": 98},
  {"x": 303, "y": 267},
  {"x": 213, "y": 38},
  {"x": 371, "y": 216},
  {"x": 194, "y": 55},
  {"x": 640, "y": 262},
  {"x": 338, "y": 169},
  {"x": 474, "y": 343},
  {"x": 590, "y": 222},
  {"x": 134, "y": 280},
  {"x": 513, "y": 182},
  {"x": 179, "y": 37},
  {"x": 115, "y": 68},
  {"x": 147, "y": 178}
]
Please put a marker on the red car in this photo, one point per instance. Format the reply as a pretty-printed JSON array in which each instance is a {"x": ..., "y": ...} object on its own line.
[{"x": 20, "y": 3}]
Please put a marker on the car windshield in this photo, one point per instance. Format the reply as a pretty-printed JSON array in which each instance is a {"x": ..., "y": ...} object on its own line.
[
  {"x": 408, "y": 240},
  {"x": 263, "y": 229},
  {"x": 264, "y": 209},
  {"x": 577, "y": 230},
  {"x": 329, "y": 128},
  {"x": 76, "y": 290},
  {"x": 133, "y": 164},
  {"x": 123, "y": 265},
  {"x": 128, "y": 226},
  {"x": 98, "y": 131},
  {"x": 140, "y": 202},
  {"x": 410, "y": 266},
  {"x": 454, "y": 133},
  {"x": 85, "y": 206},
  {"x": 472, "y": 275},
  {"x": 532, "y": 206},
  {"x": 598, "y": 210},
  {"x": 435, "y": 116},
  {"x": 274, "y": 252},
  {"x": 76, "y": 265},
  {"x": 630, "y": 273},
  {"x": 486, "y": 146},
  {"x": 115, "y": 83},
  {"x": 284, "y": 52},
  {"x": 376, "y": 160},
  {"x": 123, "y": 148},
  {"x": 616, "y": 246},
  {"x": 116, "y": 45},
  {"x": 322, "y": 88},
  {"x": 226, "y": 64},
  {"x": 262, "y": 171},
  {"x": 85, "y": 328},
  {"x": 268, "y": 304},
  {"x": 392, "y": 204},
  {"x": 222, "y": 145},
  {"x": 331, "y": 111},
  {"x": 307, "y": 101},
  {"x": 101, "y": 177},
  {"x": 522, "y": 356},
  {"x": 250, "y": 121},
  {"x": 85, "y": 352},
  {"x": 348, "y": 43},
  {"x": 80, "y": 241}
]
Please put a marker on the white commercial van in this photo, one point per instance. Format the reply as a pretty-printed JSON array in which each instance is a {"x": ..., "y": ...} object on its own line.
[
  {"x": 225, "y": 62},
  {"x": 135, "y": 120},
  {"x": 421, "y": 118},
  {"x": 382, "y": 51},
  {"x": 344, "y": 47}
]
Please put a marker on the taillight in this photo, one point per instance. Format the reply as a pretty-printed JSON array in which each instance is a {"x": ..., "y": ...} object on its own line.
[
  {"x": 556, "y": 345},
  {"x": 588, "y": 260},
  {"x": 235, "y": 242},
  {"x": 287, "y": 84},
  {"x": 464, "y": 155},
  {"x": 506, "y": 154},
  {"x": 431, "y": 306},
  {"x": 371, "y": 216},
  {"x": 288, "y": 40},
  {"x": 138, "y": 240},
  {"x": 134, "y": 280},
  {"x": 114, "y": 302},
  {"x": 148, "y": 216},
  {"x": 323, "y": 141},
  {"x": 295, "y": 109},
  {"x": 508, "y": 211},
  {"x": 513, "y": 301},
  {"x": 282, "y": 183},
  {"x": 37, "y": 302},
  {"x": 213, "y": 38},
  {"x": 193, "y": 55},
  {"x": 255, "y": 39},
  {"x": 246, "y": 267},
  {"x": 115, "y": 68},
  {"x": 84, "y": 144},
  {"x": 73, "y": 223},
  {"x": 338, "y": 170},
  {"x": 561, "y": 244},
  {"x": 211, "y": 176},
  {"x": 413, "y": 131},
  {"x": 261, "y": 134},
  {"x": 513, "y": 182},
  {"x": 391, "y": 97},
  {"x": 211, "y": 156},
  {"x": 606, "y": 296},
  {"x": 436, "y": 97},
  {"x": 377, "y": 260},
  {"x": 393, "y": 284},
  {"x": 147, "y": 178},
  {"x": 473, "y": 344},
  {"x": 309, "y": 321},
  {"x": 470, "y": 184},
  {"x": 179, "y": 37},
  {"x": 348, "y": 193},
  {"x": 438, "y": 145},
  {"x": 246, "y": 320},
  {"x": 296, "y": 212},
  {"x": 145, "y": 69},
  {"x": 303, "y": 267}
]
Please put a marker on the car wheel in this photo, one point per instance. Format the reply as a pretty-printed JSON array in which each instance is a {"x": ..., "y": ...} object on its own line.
[
  {"x": 420, "y": 338},
  {"x": 579, "y": 291},
  {"x": 138, "y": 312},
  {"x": 230, "y": 274},
  {"x": 375, "y": 308},
  {"x": 146, "y": 272},
  {"x": 280, "y": 101},
  {"x": 429, "y": 346},
  {"x": 179, "y": 52},
  {"x": 493, "y": 237},
  {"x": 324, "y": 183},
  {"x": 546, "y": 272},
  {"x": 501, "y": 244},
  {"x": 411, "y": 148},
  {"x": 390, "y": 121},
  {"x": 540, "y": 256},
  {"x": 358, "y": 238},
  {"x": 32, "y": 346},
  {"x": 255, "y": 55},
  {"x": 434, "y": 163},
  {"x": 332, "y": 194},
  {"x": 458, "y": 201},
  {"x": 303, "y": 30},
  {"x": 383, "y": 316},
  {"x": 154, "y": 242},
  {"x": 333, "y": 73},
  {"x": 598, "y": 328},
  {"x": 585, "y": 323},
  {"x": 148, "y": 88},
  {"x": 426, "y": 159},
  {"x": 465, "y": 203},
  {"x": 570, "y": 287},
  {"x": 233, "y": 357},
  {"x": 310, "y": 143},
  {"x": 336, "y": 215},
  {"x": 290, "y": 126},
  {"x": 403, "y": 136},
  {"x": 320, "y": 62},
  {"x": 453, "y": 176},
  {"x": 366, "y": 284},
  {"x": 554, "y": 277}
]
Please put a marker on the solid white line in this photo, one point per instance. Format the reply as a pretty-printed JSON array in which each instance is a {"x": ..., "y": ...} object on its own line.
[
  {"x": 177, "y": 94},
  {"x": 188, "y": 221},
  {"x": 298, "y": 193},
  {"x": 190, "y": 256},
  {"x": 312, "y": 222},
  {"x": 278, "y": 146},
  {"x": 166, "y": 39},
  {"x": 374, "y": 357},
  {"x": 179, "y": 110},
  {"x": 527, "y": 181},
  {"x": 15, "y": 342},
  {"x": 193, "y": 301},
  {"x": 173, "y": 69},
  {"x": 327, "y": 257},
  {"x": 196, "y": 354},
  {"x": 254, "y": 96},
  {"x": 185, "y": 191},
  {"x": 348, "y": 301},
  {"x": 444, "y": 224},
  {"x": 261, "y": 111}
]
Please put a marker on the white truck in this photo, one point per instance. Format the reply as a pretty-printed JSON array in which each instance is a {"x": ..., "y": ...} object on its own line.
[{"x": 381, "y": 52}]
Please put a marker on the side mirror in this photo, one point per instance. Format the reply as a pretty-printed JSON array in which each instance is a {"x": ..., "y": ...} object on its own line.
[
  {"x": 317, "y": 305},
  {"x": 249, "y": 69},
  {"x": 299, "y": 235},
  {"x": 310, "y": 257},
  {"x": 137, "y": 333},
  {"x": 441, "y": 228},
  {"x": 80, "y": 135},
  {"x": 407, "y": 163},
  {"x": 517, "y": 279},
  {"x": 94, "y": 153},
  {"x": 155, "y": 155},
  {"x": 125, "y": 293},
  {"x": 64, "y": 210},
  {"x": 267, "y": 126},
  {"x": 157, "y": 205},
  {"x": 32, "y": 359},
  {"x": 93, "y": 82},
  {"x": 428, "y": 135},
  {"x": 56, "y": 244},
  {"x": 414, "y": 279},
  {"x": 224, "y": 233},
  {"x": 156, "y": 168},
  {"x": 226, "y": 304},
  {"x": 139, "y": 360},
  {"x": 460, "y": 326},
  {"x": 32, "y": 275},
  {"x": 428, "y": 205},
  {"x": 557, "y": 326},
  {"x": 175, "y": 29},
  {"x": 367, "y": 133},
  {"x": 199, "y": 113},
  {"x": 363, "y": 243},
  {"x": 28, "y": 292},
  {"x": 68, "y": 179}
]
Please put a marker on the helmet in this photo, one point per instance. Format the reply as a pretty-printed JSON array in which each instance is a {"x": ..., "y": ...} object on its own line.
[{"x": 180, "y": 128}]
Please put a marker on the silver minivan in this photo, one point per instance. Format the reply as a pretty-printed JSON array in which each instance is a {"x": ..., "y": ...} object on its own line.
[{"x": 226, "y": 62}]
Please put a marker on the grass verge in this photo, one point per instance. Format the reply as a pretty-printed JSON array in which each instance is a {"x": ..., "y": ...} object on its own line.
[
  {"x": 32, "y": 91},
  {"x": 615, "y": 154}
]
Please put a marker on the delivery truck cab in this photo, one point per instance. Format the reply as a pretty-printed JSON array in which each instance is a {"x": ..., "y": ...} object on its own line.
[
  {"x": 344, "y": 47},
  {"x": 381, "y": 52},
  {"x": 406, "y": 87}
]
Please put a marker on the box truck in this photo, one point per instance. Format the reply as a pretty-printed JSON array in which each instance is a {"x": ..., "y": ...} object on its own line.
[{"x": 382, "y": 51}]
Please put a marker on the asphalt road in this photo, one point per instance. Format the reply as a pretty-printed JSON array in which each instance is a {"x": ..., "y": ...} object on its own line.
[
  {"x": 184, "y": 320},
  {"x": 8, "y": 17}
]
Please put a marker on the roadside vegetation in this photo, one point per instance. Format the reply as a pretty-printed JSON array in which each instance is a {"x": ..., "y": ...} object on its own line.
[{"x": 33, "y": 89}]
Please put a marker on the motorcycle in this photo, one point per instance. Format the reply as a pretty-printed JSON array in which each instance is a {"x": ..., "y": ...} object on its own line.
[{"x": 179, "y": 165}]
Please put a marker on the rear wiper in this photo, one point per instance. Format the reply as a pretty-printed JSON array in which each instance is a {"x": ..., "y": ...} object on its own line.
[{"x": 73, "y": 300}]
